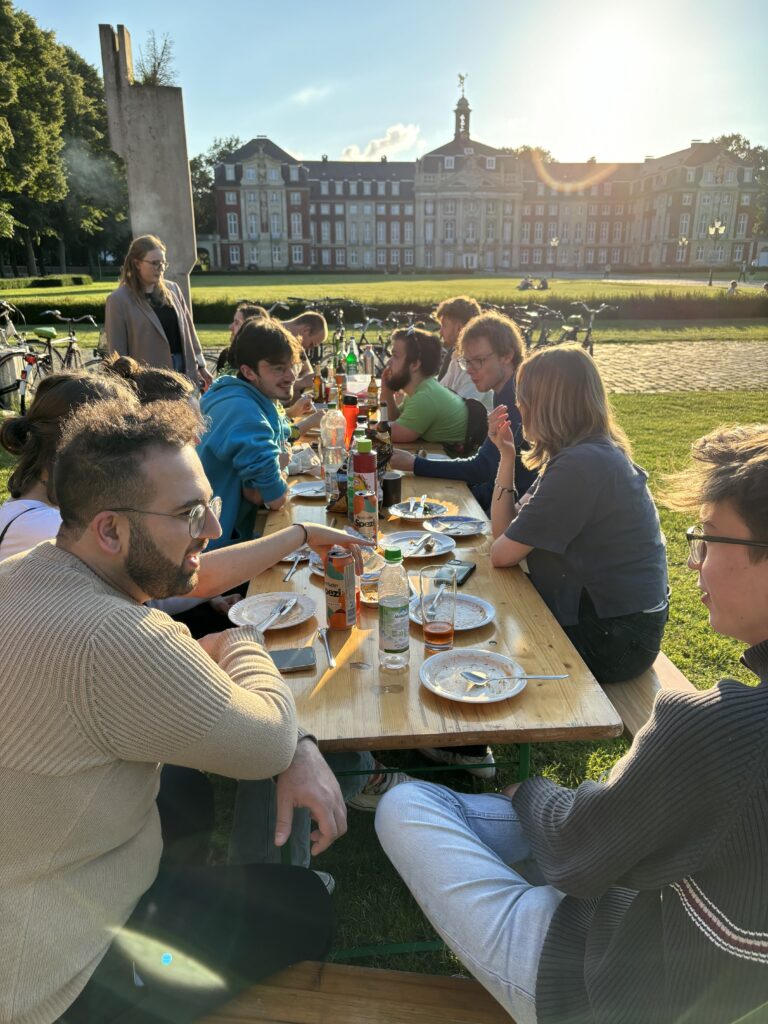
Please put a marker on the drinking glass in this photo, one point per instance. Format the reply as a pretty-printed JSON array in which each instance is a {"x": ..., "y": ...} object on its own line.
[{"x": 437, "y": 590}]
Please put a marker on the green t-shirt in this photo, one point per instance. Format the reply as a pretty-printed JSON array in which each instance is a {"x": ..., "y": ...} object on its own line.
[{"x": 435, "y": 413}]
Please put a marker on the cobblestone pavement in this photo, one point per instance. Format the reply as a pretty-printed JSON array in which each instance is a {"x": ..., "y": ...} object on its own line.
[{"x": 682, "y": 366}]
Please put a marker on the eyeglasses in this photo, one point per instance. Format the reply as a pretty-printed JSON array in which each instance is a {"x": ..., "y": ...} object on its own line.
[
  {"x": 474, "y": 364},
  {"x": 196, "y": 516},
  {"x": 698, "y": 540},
  {"x": 157, "y": 264}
]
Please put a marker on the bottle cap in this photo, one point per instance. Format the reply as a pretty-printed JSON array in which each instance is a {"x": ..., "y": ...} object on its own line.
[
  {"x": 364, "y": 445},
  {"x": 350, "y": 399},
  {"x": 393, "y": 555},
  {"x": 330, "y": 405}
]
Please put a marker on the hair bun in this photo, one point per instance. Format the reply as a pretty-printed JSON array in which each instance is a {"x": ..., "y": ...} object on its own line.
[
  {"x": 122, "y": 366},
  {"x": 14, "y": 433}
]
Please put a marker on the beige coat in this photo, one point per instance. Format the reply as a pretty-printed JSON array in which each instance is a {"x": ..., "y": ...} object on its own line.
[{"x": 133, "y": 329}]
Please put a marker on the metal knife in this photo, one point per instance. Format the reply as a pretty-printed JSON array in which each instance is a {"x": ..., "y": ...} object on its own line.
[
  {"x": 294, "y": 566},
  {"x": 281, "y": 609}
]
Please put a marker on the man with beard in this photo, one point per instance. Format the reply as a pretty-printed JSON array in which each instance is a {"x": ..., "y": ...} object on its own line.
[
  {"x": 429, "y": 410},
  {"x": 95, "y": 925},
  {"x": 244, "y": 449}
]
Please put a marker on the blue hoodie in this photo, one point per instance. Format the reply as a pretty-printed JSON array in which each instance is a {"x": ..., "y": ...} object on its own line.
[{"x": 241, "y": 448}]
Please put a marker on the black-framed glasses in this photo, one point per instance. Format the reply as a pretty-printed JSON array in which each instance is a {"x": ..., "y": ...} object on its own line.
[
  {"x": 477, "y": 363},
  {"x": 157, "y": 264},
  {"x": 698, "y": 540},
  {"x": 196, "y": 516}
]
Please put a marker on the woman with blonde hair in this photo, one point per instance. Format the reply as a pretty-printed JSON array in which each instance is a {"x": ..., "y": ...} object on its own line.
[
  {"x": 148, "y": 318},
  {"x": 588, "y": 526}
]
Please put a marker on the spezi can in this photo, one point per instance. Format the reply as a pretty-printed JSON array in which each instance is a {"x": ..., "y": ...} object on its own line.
[
  {"x": 366, "y": 514},
  {"x": 342, "y": 595}
]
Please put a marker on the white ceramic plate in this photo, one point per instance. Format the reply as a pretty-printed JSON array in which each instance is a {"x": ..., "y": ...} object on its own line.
[
  {"x": 456, "y": 526},
  {"x": 471, "y": 612},
  {"x": 253, "y": 610},
  {"x": 431, "y": 508},
  {"x": 407, "y": 539},
  {"x": 309, "y": 489},
  {"x": 441, "y": 675}
]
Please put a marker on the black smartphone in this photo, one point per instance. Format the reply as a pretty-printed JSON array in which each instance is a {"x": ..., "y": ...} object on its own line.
[
  {"x": 463, "y": 570},
  {"x": 298, "y": 660}
]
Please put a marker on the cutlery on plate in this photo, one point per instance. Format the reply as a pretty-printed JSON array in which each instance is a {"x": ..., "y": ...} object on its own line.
[
  {"x": 420, "y": 505},
  {"x": 322, "y": 634},
  {"x": 422, "y": 542},
  {"x": 481, "y": 679},
  {"x": 277, "y": 612},
  {"x": 294, "y": 566}
]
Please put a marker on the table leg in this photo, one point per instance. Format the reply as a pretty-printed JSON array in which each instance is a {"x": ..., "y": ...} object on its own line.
[{"x": 524, "y": 761}]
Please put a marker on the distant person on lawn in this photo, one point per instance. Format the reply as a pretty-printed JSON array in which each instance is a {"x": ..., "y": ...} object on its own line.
[
  {"x": 642, "y": 899},
  {"x": 429, "y": 411}
]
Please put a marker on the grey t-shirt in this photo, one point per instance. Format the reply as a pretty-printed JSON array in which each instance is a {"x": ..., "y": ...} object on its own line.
[{"x": 593, "y": 525}]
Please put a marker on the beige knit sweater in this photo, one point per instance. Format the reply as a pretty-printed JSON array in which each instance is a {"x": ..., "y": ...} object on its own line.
[{"x": 96, "y": 691}]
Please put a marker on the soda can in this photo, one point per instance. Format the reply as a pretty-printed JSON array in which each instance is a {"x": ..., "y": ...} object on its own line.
[
  {"x": 342, "y": 593},
  {"x": 366, "y": 515}
]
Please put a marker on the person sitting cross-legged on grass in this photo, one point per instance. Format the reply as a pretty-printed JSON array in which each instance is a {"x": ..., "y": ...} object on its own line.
[
  {"x": 100, "y": 910},
  {"x": 642, "y": 899},
  {"x": 429, "y": 411}
]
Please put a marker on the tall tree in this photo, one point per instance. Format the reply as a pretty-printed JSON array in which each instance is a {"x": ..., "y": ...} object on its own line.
[
  {"x": 757, "y": 158},
  {"x": 201, "y": 171},
  {"x": 543, "y": 154}
]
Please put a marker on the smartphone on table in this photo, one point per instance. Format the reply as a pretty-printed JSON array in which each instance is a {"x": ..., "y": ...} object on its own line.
[
  {"x": 300, "y": 659},
  {"x": 463, "y": 570}
]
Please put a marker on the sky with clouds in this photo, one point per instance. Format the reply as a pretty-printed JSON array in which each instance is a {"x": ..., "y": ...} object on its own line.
[{"x": 615, "y": 79}]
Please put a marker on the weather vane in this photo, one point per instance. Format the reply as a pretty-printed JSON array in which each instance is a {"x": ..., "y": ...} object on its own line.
[{"x": 462, "y": 80}]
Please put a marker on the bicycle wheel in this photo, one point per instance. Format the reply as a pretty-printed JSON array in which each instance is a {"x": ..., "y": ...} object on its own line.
[
  {"x": 211, "y": 363},
  {"x": 74, "y": 357},
  {"x": 35, "y": 374}
]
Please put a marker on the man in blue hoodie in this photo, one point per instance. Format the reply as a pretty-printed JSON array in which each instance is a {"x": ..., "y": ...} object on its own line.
[{"x": 243, "y": 450}]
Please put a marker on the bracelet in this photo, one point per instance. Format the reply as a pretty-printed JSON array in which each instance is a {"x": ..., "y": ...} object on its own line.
[
  {"x": 504, "y": 490},
  {"x": 301, "y": 526}
]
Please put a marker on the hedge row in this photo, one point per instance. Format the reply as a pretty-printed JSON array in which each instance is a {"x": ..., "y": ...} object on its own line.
[
  {"x": 659, "y": 306},
  {"x": 51, "y": 281}
]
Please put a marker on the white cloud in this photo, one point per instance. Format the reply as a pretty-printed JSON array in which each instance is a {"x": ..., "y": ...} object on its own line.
[
  {"x": 310, "y": 94},
  {"x": 397, "y": 139}
]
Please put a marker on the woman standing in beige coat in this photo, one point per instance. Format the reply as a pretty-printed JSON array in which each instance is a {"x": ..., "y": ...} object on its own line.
[{"x": 148, "y": 318}]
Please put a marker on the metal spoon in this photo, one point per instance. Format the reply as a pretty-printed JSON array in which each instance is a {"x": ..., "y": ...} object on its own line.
[
  {"x": 322, "y": 635},
  {"x": 481, "y": 679}
]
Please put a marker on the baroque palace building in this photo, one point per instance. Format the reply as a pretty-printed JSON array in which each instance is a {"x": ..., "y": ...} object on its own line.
[{"x": 467, "y": 206}]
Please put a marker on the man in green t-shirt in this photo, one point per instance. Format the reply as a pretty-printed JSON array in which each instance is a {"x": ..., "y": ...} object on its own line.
[{"x": 429, "y": 410}]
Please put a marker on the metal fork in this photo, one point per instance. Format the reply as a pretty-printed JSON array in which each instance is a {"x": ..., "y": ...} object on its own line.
[{"x": 277, "y": 612}]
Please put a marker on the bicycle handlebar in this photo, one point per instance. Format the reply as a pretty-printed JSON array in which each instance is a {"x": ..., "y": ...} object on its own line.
[{"x": 56, "y": 314}]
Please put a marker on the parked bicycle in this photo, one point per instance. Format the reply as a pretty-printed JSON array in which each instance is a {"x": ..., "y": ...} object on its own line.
[{"x": 587, "y": 341}]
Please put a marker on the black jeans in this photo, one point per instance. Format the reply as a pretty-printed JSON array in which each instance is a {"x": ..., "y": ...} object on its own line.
[
  {"x": 200, "y": 935},
  {"x": 619, "y": 648}
]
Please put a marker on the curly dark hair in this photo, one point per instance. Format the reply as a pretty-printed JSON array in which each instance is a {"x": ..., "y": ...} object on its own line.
[
  {"x": 151, "y": 383},
  {"x": 100, "y": 459}
]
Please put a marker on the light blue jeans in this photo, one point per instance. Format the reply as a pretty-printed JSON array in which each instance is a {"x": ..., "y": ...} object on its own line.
[
  {"x": 254, "y": 821},
  {"x": 454, "y": 851}
]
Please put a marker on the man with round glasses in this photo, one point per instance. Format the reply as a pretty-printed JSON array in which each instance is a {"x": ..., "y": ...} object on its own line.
[
  {"x": 104, "y": 917},
  {"x": 643, "y": 897},
  {"x": 489, "y": 350}
]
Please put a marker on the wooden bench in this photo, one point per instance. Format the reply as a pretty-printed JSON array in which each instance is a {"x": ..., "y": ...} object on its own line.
[
  {"x": 634, "y": 699},
  {"x": 321, "y": 993}
]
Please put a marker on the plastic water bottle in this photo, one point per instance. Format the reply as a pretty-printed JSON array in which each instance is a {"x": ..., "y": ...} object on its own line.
[
  {"x": 394, "y": 622},
  {"x": 332, "y": 428}
]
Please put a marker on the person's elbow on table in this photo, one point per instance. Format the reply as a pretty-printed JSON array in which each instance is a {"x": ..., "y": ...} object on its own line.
[
  {"x": 402, "y": 460},
  {"x": 403, "y": 434},
  {"x": 506, "y": 552}
]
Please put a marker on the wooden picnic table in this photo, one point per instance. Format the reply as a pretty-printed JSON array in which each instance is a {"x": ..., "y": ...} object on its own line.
[{"x": 359, "y": 706}]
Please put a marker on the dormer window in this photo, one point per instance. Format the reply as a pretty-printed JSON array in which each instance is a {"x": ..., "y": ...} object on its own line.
[
  {"x": 469, "y": 150},
  {"x": 448, "y": 163}
]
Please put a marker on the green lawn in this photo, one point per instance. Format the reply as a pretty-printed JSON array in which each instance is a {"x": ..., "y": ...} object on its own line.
[
  {"x": 372, "y": 905},
  {"x": 406, "y": 289}
]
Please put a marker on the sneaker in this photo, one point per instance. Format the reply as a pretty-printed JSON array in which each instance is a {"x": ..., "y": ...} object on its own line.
[
  {"x": 328, "y": 881},
  {"x": 482, "y": 766},
  {"x": 372, "y": 792}
]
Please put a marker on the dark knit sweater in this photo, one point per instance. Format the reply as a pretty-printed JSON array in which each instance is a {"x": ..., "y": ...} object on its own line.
[{"x": 665, "y": 870}]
